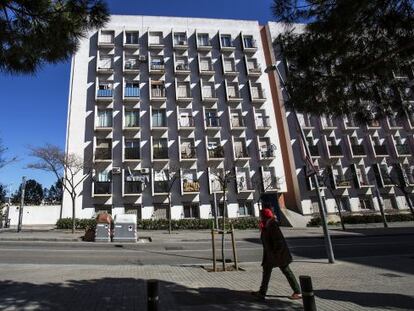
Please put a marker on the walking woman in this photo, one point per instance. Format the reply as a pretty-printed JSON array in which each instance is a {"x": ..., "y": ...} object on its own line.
[{"x": 275, "y": 254}]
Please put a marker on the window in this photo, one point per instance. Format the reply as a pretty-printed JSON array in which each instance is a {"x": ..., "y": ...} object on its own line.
[
  {"x": 104, "y": 176},
  {"x": 203, "y": 39},
  {"x": 212, "y": 118},
  {"x": 245, "y": 208},
  {"x": 155, "y": 38},
  {"x": 132, "y": 149},
  {"x": 345, "y": 204},
  {"x": 131, "y": 37},
  {"x": 161, "y": 181},
  {"x": 160, "y": 211},
  {"x": 103, "y": 149},
  {"x": 159, "y": 118},
  {"x": 191, "y": 210},
  {"x": 160, "y": 150},
  {"x": 183, "y": 89},
  {"x": 205, "y": 64},
  {"x": 220, "y": 209},
  {"x": 229, "y": 65},
  {"x": 226, "y": 41},
  {"x": 180, "y": 38},
  {"x": 365, "y": 202},
  {"x": 104, "y": 118},
  {"x": 105, "y": 62},
  {"x": 132, "y": 118},
  {"x": 107, "y": 36},
  {"x": 248, "y": 42}
]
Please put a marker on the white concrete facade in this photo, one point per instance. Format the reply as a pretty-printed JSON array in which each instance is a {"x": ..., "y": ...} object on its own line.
[
  {"x": 172, "y": 100},
  {"x": 355, "y": 159}
]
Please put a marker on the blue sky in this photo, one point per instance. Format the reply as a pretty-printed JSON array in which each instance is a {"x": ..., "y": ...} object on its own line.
[{"x": 34, "y": 108}]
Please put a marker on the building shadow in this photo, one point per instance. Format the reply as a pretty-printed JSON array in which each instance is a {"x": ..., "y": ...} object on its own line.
[
  {"x": 371, "y": 300},
  {"x": 128, "y": 294}
]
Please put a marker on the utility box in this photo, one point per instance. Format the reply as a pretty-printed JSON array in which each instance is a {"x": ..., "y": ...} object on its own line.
[
  {"x": 125, "y": 228},
  {"x": 103, "y": 228}
]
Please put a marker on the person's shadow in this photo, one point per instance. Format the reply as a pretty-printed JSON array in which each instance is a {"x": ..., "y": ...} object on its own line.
[
  {"x": 372, "y": 300},
  {"x": 130, "y": 294}
]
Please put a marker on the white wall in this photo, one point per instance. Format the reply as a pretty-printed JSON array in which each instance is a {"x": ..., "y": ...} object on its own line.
[{"x": 35, "y": 215}]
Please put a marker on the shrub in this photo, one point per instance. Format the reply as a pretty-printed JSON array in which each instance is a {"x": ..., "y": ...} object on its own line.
[
  {"x": 364, "y": 219},
  {"x": 66, "y": 223}
]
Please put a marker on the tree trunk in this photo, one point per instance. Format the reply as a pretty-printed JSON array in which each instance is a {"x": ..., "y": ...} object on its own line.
[
  {"x": 73, "y": 214},
  {"x": 223, "y": 228}
]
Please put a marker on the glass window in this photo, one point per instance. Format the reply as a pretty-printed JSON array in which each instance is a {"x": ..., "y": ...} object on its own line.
[
  {"x": 131, "y": 37},
  {"x": 191, "y": 210}
]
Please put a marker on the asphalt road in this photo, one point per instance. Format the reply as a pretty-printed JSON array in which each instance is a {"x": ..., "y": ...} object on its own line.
[{"x": 196, "y": 252}]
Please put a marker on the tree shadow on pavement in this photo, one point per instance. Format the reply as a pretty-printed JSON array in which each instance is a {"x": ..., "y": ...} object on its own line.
[
  {"x": 128, "y": 294},
  {"x": 372, "y": 300}
]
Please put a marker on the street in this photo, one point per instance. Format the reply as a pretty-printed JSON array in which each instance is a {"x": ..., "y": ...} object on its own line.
[
  {"x": 194, "y": 252},
  {"x": 372, "y": 272}
]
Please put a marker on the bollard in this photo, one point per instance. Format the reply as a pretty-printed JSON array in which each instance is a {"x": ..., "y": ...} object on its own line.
[
  {"x": 152, "y": 295},
  {"x": 308, "y": 297}
]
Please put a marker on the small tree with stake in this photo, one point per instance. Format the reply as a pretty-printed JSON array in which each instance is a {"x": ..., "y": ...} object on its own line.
[
  {"x": 224, "y": 177},
  {"x": 70, "y": 168}
]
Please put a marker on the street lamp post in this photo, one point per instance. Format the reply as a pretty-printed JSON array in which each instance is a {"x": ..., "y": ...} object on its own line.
[{"x": 315, "y": 176}]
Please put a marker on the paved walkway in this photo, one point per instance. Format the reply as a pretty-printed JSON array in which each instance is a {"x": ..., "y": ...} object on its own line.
[
  {"x": 195, "y": 235},
  {"x": 342, "y": 286}
]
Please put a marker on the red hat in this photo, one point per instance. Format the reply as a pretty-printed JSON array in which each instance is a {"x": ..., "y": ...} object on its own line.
[{"x": 267, "y": 213}]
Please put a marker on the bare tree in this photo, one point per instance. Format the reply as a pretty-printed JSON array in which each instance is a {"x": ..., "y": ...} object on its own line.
[
  {"x": 3, "y": 160},
  {"x": 70, "y": 168},
  {"x": 224, "y": 176}
]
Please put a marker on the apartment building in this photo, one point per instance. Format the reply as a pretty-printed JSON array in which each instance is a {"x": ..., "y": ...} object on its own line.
[
  {"x": 353, "y": 159},
  {"x": 161, "y": 107}
]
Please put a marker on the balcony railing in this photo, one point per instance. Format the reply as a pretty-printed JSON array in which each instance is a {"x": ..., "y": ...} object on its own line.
[
  {"x": 102, "y": 187},
  {"x": 132, "y": 153},
  {"x": 216, "y": 153},
  {"x": 105, "y": 93},
  {"x": 132, "y": 187},
  {"x": 158, "y": 93},
  {"x": 191, "y": 186},
  {"x": 103, "y": 154},
  {"x": 160, "y": 123},
  {"x": 268, "y": 153},
  {"x": 403, "y": 149},
  {"x": 161, "y": 186},
  {"x": 187, "y": 154},
  {"x": 213, "y": 122},
  {"x": 358, "y": 150},
  {"x": 342, "y": 181},
  {"x": 262, "y": 122},
  {"x": 237, "y": 122},
  {"x": 131, "y": 92},
  {"x": 241, "y": 153},
  {"x": 381, "y": 150},
  {"x": 157, "y": 66},
  {"x": 187, "y": 122},
  {"x": 335, "y": 150},
  {"x": 160, "y": 153},
  {"x": 182, "y": 67}
]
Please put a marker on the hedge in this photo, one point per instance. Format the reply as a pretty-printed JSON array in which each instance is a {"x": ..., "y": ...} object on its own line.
[
  {"x": 66, "y": 223},
  {"x": 241, "y": 223},
  {"x": 363, "y": 219}
]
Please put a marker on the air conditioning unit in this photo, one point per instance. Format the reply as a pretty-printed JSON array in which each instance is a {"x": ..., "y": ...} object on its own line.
[
  {"x": 145, "y": 170},
  {"x": 142, "y": 58},
  {"x": 116, "y": 170}
]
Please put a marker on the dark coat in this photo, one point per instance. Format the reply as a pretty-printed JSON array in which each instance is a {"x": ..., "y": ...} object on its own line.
[{"x": 275, "y": 250}]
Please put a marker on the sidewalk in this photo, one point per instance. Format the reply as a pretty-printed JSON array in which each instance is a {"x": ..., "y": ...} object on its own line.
[
  {"x": 352, "y": 286},
  {"x": 162, "y": 236}
]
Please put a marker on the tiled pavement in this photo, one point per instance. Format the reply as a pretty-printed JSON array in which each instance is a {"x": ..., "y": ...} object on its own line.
[{"x": 376, "y": 283}]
